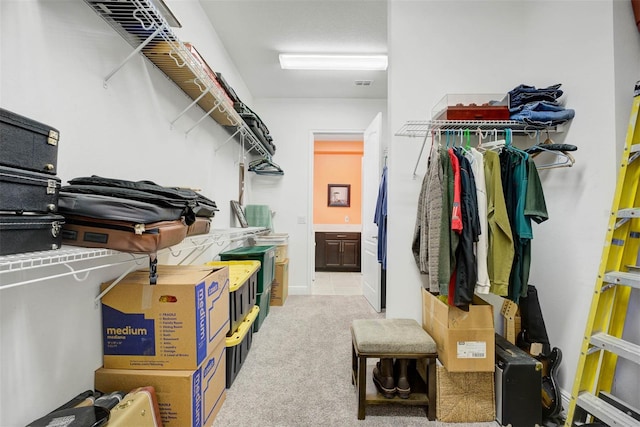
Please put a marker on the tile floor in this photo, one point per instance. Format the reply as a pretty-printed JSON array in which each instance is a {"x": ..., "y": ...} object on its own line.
[{"x": 335, "y": 283}]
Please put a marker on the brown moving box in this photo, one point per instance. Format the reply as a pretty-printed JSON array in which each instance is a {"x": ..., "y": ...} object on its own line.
[
  {"x": 465, "y": 339},
  {"x": 185, "y": 398},
  {"x": 280, "y": 286},
  {"x": 173, "y": 324}
]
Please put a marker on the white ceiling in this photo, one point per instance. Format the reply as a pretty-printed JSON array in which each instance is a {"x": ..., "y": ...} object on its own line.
[{"x": 254, "y": 32}]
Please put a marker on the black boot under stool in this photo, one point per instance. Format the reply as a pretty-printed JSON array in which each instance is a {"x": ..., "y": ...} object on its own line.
[
  {"x": 383, "y": 377},
  {"x": 403, "y": 389}
]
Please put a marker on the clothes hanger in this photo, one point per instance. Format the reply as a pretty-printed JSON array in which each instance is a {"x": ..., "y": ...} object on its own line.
[
  {"x": 509, "y": 146},
  {"x": 467, "y": 145},
  {"x": 495, "y": 144},
  {"x": 264, "y": 166},
  {"x": 563, "y": 158},
  {"x": 481, "y": 136}
]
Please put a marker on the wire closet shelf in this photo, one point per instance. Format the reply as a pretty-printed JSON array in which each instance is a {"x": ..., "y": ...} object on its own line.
[
  {"x": 422, "y": 128},
  {"x": 145, "y": 28}
]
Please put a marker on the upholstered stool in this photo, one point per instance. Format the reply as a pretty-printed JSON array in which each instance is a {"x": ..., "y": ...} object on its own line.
[{"x": 393, "y": 338}]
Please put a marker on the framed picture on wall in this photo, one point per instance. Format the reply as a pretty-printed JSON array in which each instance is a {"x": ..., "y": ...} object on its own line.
[
  {"x": 237, "y": 209},
  {"x": 339, "y": 195}
]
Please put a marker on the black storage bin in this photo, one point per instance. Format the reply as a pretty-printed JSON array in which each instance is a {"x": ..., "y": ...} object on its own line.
[{"x": 239, "y": 344}]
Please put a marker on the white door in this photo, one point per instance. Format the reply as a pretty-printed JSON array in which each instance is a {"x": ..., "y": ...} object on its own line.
[{"x": 370, "y": 184}]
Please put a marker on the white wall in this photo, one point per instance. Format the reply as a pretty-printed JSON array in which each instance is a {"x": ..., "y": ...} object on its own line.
[
  {"x": 291, "y": 122},
  {"x": 440, "y": 47},
  {"x": 55, "y": 55}
]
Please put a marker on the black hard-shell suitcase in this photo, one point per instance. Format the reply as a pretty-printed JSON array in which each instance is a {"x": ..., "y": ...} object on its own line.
[
  {"x": 29, "y": 233},
  {"x": 518, "y": 386},
  {"x": 28, "y": 144},
  {"x": 28, "y": 191},
  {"x": 86, "y": 416}
]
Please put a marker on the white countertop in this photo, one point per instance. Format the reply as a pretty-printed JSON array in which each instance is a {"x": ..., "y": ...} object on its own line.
[{"x": 328, "y": 228}]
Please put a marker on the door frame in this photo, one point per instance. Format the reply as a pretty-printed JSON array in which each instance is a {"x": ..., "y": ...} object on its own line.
[{"x": 311, "y": 238}]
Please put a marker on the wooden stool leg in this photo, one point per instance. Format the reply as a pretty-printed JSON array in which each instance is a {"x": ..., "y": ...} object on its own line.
[
  {"x": 354, "y": 364},
  {"x": 362, "y": 386},
  {"x": 431, "y": 388}
]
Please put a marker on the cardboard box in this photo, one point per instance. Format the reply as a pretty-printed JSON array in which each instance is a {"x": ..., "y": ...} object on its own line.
[
  {"x": 464, "y": 396},
  {"x": 186, "y": 398},
  {"x": 171, "y": 325},
  {"x": 465, "y": 339},
  {"x": 280, "y": 285},
  {"x": 512, "y": 320}
]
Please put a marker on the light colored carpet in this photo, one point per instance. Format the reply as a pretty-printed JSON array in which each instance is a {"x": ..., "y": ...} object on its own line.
[{"x": 298, "y": 371}]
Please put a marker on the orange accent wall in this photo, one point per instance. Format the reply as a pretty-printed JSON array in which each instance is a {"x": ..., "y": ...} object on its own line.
[{"x": 337, "y": 162}]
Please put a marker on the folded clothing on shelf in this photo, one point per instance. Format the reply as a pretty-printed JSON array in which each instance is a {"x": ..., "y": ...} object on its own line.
[
  {"x": 543, "y": 113},
  {"x": 538, "y": 107}
]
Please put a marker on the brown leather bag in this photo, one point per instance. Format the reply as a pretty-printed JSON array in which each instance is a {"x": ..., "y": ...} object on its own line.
[{"x": 123, "y": 236}]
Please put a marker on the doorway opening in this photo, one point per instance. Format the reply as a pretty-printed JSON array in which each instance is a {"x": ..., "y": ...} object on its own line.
[
  {"x": 342, "y": 224},
  {"x": 337, "y": 212}
]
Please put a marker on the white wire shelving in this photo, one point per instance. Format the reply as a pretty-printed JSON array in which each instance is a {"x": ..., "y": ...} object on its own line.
[
  {"x": 79, "y": 260},
  {"x": 145, "y": 28},
  {"x": 422, "y": 128},
  {"x": 454, "y": 128}
]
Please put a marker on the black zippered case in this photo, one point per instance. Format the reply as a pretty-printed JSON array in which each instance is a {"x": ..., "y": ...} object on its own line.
[
  {"x": 115, "y": 208},
  {"x": 254, "y": 124},
  {"x": 29, "y": 233},
  {"x": 192, "y": 203},
  {"x": 28, "y": 191},
  {"x": 28, "y": 144}
]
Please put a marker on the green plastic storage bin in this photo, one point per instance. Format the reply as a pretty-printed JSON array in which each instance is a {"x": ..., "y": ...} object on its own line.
[
  {"x": 264, "y": 302},
  {"x": 265, "y": 254}
]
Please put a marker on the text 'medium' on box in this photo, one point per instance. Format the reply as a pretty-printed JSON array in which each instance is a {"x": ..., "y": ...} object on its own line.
[{"x": 173, "y": 324}]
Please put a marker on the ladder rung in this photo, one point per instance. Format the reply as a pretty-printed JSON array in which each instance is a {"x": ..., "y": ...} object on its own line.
[
  {"x": 618, "y": 346},
  {"x": 620, "y": 404},
  {"x": 629, "y": 213},
  {"x": 605, "y": 412},
  {"x": 635, "y": 148},
  {"x": 620, "y": 278}
]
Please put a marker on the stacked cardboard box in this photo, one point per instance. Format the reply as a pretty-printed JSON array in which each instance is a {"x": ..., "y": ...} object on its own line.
[
  {"x": 170, "y": 336},
  {"x": 466, "y": 352},
  {"x": 280, "y": 285}
]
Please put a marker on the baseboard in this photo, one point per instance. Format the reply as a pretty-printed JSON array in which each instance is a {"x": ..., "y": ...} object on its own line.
[
  {"x": 566, "y": 398},
  {"x": 299, "y": 290}
]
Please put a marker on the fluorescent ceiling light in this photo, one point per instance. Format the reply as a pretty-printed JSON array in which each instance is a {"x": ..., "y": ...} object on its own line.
[{"x": 333, "y": 62}]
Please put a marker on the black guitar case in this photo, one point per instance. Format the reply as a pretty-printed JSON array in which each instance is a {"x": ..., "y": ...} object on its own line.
[
  {"x": 533, "y": 325},
  {"x": 88, "y": 416},
  {"x": 535, "y": 331}
]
